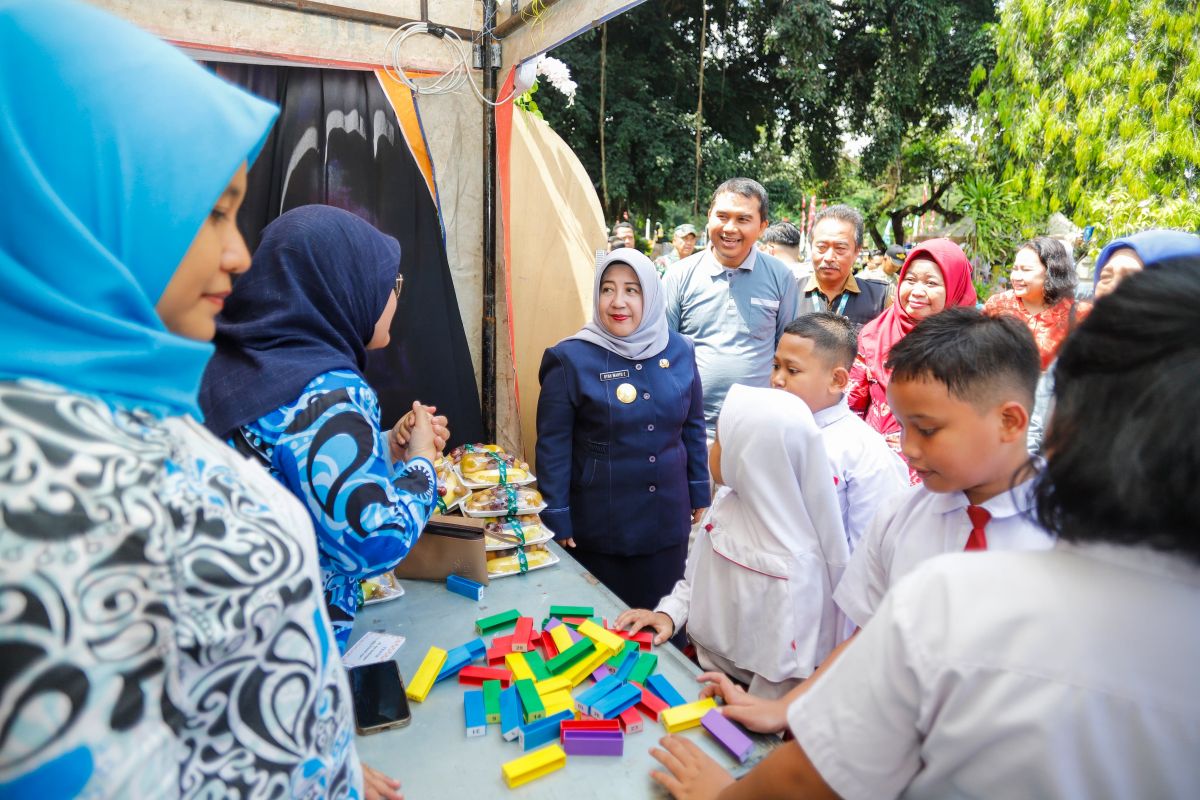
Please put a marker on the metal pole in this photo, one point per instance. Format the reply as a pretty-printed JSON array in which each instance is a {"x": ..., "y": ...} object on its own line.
[{"x": 488, "y": 355}]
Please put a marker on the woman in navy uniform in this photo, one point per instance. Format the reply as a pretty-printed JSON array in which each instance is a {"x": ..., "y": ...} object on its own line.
[{"x": 621, "y": 454}]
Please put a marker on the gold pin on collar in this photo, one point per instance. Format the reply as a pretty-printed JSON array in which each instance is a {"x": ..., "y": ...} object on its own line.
[
  {"x": 626, "y": 393},
  {"x": 663, "y": 363}
]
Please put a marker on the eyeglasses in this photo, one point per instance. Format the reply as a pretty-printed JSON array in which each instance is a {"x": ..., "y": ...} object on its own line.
[{"x": 399, "y": 285}]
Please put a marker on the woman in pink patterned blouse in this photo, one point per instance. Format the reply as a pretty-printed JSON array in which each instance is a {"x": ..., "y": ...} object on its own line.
[
  {"x": 935, "y": 276},
  {"x": 1042, "y": 295}
]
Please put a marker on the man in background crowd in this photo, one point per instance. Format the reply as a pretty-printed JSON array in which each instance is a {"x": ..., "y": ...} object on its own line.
[
  {"x": 683, "y": 244},
  {"x": 837, "y": 238}
]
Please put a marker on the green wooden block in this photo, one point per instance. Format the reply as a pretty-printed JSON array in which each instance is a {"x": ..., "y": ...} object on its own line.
[
  {"x": 569, "y": 656},
  {"x": 531, "y": 703},
  {"x": 537, "y": 666},
  {"x": 644, "y": 668},
  {"x": 571, "y": 611},
  {"x": 616, "y": 660},
  {"x": 495, "y": 622},
  {"x": 491, "y": 701}
]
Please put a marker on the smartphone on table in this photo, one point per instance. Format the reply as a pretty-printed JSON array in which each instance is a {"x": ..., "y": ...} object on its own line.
[{"x": 379, "y": 700}]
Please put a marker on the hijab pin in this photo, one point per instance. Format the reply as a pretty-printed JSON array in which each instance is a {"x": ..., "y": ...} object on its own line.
[
  {"x": 663, "y": 363},
  {"x": 626, "y": 393}
]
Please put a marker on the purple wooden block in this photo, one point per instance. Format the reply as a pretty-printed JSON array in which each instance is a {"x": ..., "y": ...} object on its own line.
[
  {"x": 601, "y": 673},
  {"x": 728, "y": 734},
  {"x": 575, "y": 635},
  {"x": 593, "y": 743},
  {"x": 553, "y": 623}
]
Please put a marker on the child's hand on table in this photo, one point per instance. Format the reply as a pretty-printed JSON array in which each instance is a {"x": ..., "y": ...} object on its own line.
[
  {"x": 755, "y": 713},
  {"x": 637, "y": 618},
  {"x": 690, "y": 774}
]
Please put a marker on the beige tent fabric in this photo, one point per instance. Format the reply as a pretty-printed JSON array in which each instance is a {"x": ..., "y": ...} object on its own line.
[{"x": 556, "y": 226}]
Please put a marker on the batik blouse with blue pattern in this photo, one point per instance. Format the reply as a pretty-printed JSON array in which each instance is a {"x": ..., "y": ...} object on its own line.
[{"x": 328, "y": 449}]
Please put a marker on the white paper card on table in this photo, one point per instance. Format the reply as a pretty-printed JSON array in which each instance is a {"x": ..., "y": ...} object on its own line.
[{"x": 372, "y": 648}]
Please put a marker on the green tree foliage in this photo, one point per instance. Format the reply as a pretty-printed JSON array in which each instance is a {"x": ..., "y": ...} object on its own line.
[
  {"x": 890, "y": 68},
  {"x": 1093, "y": 109},
  {"x": 786, "y": 83},
  {"x": 652, "y": 60}
]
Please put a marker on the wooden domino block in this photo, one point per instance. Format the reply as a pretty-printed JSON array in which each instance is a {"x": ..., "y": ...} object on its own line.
[
  {"x": 491, "y": 702},
  {"x": 473, "y": 714},
  {"x": 600, "y": 636},
  {"x": 422, "y": 681},
  {"x": 497, "y": 621},
  {"x": 680, "y": 718},
  {"x": 534, "y": 765}
]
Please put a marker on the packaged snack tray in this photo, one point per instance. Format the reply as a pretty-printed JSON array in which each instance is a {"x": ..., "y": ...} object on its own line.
[
  {"x": 450, "y": 488},
  {"x": 501, "y": 533},
  {"x": 502, "y": 563},
  {"x": 503, "y": 501},
  {"x": 482, "y": 469},
  {"x": 381, "y": 588}
]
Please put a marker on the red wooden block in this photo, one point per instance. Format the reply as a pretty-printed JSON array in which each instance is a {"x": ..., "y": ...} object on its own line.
[
  {"x": 631, "y": 720},
  {"x": 606, "y": 725},
  {"x": 644, "y": 638},
  {"x": 549, "y": 649},
  {"x": 475, "y": 676},
  {"x": 520, "y": 636},
  {"x": 651, "y": 704},
  {"x": 501, "y": 646}
]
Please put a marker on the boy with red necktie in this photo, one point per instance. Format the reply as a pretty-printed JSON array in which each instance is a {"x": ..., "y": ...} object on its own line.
[{"x": 962, "y": 388}]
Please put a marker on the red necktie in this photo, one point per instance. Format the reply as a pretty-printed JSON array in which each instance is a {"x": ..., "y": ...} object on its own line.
[{"x": 979, "y": 520}]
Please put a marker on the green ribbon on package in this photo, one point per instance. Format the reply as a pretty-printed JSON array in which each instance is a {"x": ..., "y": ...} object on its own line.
[{"x": 519, "y": 532}]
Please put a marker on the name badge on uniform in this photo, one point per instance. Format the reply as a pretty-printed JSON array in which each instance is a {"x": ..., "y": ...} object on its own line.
[
  {"x": 762, "y": 301},
  {"x": 612, "y": 376}
]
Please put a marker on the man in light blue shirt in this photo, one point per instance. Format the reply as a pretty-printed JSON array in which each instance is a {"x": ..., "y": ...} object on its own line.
[{"x": 732, "y": 300}]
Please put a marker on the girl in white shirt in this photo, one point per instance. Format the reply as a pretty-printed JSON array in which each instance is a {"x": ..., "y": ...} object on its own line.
[{"x": 757, "y": 595}]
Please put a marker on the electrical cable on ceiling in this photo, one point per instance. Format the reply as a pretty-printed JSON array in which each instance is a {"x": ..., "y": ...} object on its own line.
[{"x": 446, "y": 83}]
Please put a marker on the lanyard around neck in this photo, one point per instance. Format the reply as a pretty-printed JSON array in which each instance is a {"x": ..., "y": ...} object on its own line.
[{"x": 818, "y": 304}]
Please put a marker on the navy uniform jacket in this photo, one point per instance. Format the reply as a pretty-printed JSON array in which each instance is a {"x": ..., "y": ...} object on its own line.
[{"x": 621, "y": 478}]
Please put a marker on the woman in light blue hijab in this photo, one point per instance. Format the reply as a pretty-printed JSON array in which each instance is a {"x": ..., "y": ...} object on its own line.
[{"x": 159, "y": 591}]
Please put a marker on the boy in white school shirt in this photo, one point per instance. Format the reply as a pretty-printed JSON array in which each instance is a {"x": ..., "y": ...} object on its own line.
[
  {"x": 813, "y": 362},
  {"x": 1056, "y": 674},
  {"x": 962, "y": 387}
]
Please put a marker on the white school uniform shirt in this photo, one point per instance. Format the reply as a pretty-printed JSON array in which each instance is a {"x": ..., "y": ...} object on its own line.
[
  {"x": 1060, "y": 674},
  {"x": 758, "y": 587},
  {"x": 869, "y": 476},
  {"x": 926, "y": 524}
]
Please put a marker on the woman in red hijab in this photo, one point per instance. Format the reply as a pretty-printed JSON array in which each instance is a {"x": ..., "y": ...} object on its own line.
[{"x": 935, "y": 276}]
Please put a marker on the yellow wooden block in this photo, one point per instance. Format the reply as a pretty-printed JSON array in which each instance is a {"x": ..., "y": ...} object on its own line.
[
  {"x": 600, "y": 636},
  {"x": 422, "y": 682},
  {"x": 534, "y": 765},
  {"x": 518, "y": 666},
  {"x": 558, "y": 701},
  {"x": 587, "y": 666},
  {"x": 552, "y": 685},
  {"x": 561, "y": 638},
  {"x": 680, "y": 718}
]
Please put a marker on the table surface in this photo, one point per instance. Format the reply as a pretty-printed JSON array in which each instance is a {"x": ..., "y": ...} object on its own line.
[{"x": 433, "y": 758}]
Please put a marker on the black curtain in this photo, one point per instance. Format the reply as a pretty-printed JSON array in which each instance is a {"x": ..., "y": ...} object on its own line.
[{"x": 337, "y": 142}]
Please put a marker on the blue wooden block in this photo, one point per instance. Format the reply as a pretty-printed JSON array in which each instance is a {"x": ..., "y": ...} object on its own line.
[
  {"x": 612, "y": 704},
  {"x": 473, "y": 714},
  {"x": 585, "y": 699},
  {"x": 626, "y": 666},
  {"x": 464, "y": 586},
  {"x": 461, "y": 656},
  {"x": 544, "y": 731},
  {"x": 510, "y": 714},
  {"x": 664, "y": 690}
]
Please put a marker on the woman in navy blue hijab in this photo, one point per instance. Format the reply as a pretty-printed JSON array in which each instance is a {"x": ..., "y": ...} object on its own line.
[{"x": 286, "y": 387}]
